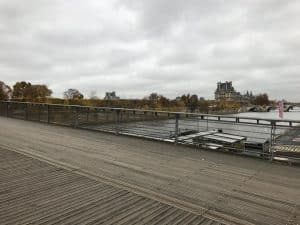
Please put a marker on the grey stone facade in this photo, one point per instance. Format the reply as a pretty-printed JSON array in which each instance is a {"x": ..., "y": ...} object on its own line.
[
  {"x": 111, "y": 96},
  {"x": 225, "y": 91}
]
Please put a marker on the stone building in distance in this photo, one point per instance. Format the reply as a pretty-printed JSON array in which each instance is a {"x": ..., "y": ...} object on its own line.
[
  {"x": 226, "y": 92},
  {"x": 111, "y": 96}
]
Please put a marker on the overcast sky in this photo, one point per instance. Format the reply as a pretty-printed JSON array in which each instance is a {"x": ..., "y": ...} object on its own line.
[{"x": 136, "y": 47}]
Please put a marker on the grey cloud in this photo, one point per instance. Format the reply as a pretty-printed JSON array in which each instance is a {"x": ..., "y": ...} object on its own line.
[{"x": 136, "y": 47}]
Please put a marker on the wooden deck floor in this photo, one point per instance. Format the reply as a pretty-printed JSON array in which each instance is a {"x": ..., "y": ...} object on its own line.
[
  {"x": 34, "y": 192},
  {"x": 102, "y": 177}
]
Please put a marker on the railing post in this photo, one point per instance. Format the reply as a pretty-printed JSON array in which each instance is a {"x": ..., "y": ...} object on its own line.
[
  {"x": 7, "y": 109},
  {"x": 76, "y": 114},
  {"x": 272, "y": 140},
  {"x": 117, "y": 121},
  {"x": 48, "y": 114},
  {"x": 88, "y": 115},
  {"x": 39, "y": 113},
  {"x": 176, "y": 127},
  {"x": 207, "y": 127},
  {"x": 26, "y": 111}
]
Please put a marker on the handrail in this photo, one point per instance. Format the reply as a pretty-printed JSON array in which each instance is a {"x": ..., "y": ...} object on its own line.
[
  {"x": 262, "y": 133},
  {"x": 237, "y": 119}
]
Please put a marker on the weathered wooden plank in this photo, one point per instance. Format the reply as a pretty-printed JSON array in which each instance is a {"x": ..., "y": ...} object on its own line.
[
  {"x": 220, "y": 186},
  {"x": 69, "y": 198}
]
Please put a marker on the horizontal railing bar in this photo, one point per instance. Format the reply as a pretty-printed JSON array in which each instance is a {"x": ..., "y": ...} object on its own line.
[
  {"x": 217, "y": 118},
  {"x": 162, "y": 125}
]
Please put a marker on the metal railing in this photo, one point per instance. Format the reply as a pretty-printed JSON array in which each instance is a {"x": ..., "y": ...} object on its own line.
[{"x": 267, "y": 138}]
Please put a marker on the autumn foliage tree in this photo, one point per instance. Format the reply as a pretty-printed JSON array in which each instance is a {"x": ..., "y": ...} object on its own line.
[
  {"x": 156, "y": 101},
  {"x": 191, "y": 102},
  {"x": 21, "y": 90},
  {"x": 5, "y": 91},
  {"x": 73, "y": 94},
  {"x": 39, "y": 92},
  {"x": 261, "y": 99},
  {"x": 203, "y": 106},
  {"x": 26, "y": 91},
  {"x": 153, "y": 100}
]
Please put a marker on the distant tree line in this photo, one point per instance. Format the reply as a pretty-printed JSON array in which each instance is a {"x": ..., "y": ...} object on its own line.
[
  {"x": 189, "y": 103},
  {"x": 25, "y": 91}
]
